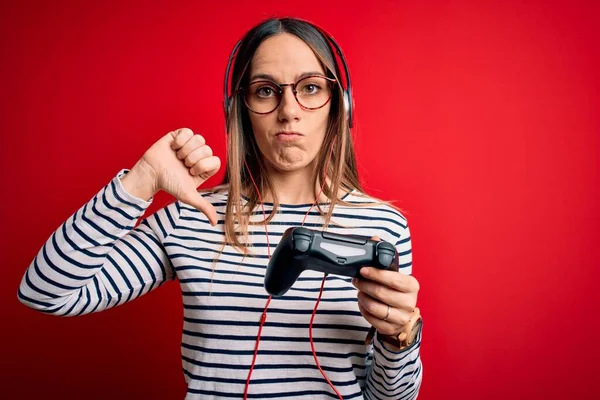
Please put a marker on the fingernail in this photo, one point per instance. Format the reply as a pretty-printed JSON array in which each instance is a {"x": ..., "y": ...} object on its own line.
[{"x": 364, "y": 271}]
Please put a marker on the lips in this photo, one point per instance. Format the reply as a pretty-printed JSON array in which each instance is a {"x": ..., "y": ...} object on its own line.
[
  {"x": 288, "y": 136},
  {"x": 288, "y": 133}
]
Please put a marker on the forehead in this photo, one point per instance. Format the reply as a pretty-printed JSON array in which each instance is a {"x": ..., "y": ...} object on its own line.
[{"x": 285, "y": 57}]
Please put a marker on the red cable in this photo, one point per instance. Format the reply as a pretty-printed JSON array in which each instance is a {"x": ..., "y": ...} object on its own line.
[
  {"x": 263, "y": 318},
  {"x": 312, "y": 344}
]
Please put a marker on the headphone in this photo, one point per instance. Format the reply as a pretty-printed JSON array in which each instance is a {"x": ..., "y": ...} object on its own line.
[{"x": 334, "y": 47}]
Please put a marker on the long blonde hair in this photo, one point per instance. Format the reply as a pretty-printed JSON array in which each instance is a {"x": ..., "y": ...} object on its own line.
[{"x": 242, "y": 147}]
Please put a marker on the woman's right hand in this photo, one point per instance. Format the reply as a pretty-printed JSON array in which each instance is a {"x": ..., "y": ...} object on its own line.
[{"x": 177, "y": 163}]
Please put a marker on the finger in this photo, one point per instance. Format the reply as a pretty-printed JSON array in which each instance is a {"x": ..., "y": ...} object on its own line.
[
  {"x": 197, "y": 155},
  {"x": 392, "y": 279},
  {"x": 180, "y": 137},
  {"x": 374, "y": 306},
  {"x": 206, "y": 168},
  {"x": 398, "y": 318},
  {"x": 385, "y": 294},
  {"x": 194, "y": 142},
  {"x": 195, "y": 199},
  {"x": 383, "y": 327}
]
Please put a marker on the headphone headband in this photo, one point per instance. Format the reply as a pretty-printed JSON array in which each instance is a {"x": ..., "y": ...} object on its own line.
[{"x": 347, "y": 91}]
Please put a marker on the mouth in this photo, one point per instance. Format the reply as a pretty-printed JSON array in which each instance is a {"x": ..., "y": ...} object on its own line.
[
  {"x": 288, "y": 133},
  {"x": 288, "y": 136}
]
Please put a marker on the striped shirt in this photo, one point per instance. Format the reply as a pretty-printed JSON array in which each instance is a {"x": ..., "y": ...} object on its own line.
[{"x": 101, "y": 258}]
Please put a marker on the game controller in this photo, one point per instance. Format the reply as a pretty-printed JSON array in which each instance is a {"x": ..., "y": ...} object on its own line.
[{"x": 303, "y": 249}]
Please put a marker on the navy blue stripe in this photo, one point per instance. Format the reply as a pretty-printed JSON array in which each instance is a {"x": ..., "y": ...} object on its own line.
[
  {"x": 33, "y": 301},
  {"x": 39, "y": 273},
  {"x": 130, "y": 264},
  {"x": 153, "y": 239},
  {"x": 123, "y": 275},
  {"x": 314, "y": 214},
  {"x": 269, "y": 395},
  {"x": 75, "y": 247},
  {"x": 68, "y": 259},
  {"x": 268, "y": 323},
  {"x": 330, "y": 278},
  {"x": 264, "y": 296},
  {"x": 98, "y": 292},
  {"x": 171, "y": 220},
  {"x": 397, "y": 388},
  {"x": 37, "y": 289},
  {"x": 115, "y": 209},
  {"x": 87, "y": 303},
  {"x": 115, "y": 193},
  {"x": 95, "y": 226},
  {"x": 399, "y": 242},
  {"x": 272, "y": 310},
  {"x": 288, "y": 379},
  {"x": 61, "y": 271},
  {"x": 70, "y": 310},
  {"x": 82, "y": 233},
  {"x": 388, "y": 386},
  {"x": 266, "y": 366},
  {"x": 286, "y": 224},
  {"x": 228, "y": 351},
  {"x": 261, "y": 284},
  {"x": 106, "y": 217},
  {"x": 156, "y": 218},
  {"x": 252, "y": 338}
]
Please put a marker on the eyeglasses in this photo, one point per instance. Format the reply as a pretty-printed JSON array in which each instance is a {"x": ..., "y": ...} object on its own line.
[{"x": 311, "y": 92}]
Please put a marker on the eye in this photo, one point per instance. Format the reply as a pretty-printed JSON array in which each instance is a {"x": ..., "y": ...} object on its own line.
[
  {"x": 265, "y": 91},
  {"x": 311, "y": 88}
]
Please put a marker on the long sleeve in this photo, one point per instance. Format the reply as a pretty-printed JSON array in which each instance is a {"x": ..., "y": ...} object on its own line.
[
  {"x": 396, "y": 374},
  {"x": 98, "y": 258}
]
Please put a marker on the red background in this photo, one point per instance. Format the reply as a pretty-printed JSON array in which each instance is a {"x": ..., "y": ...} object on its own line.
[{"x": 481, "y": 119}]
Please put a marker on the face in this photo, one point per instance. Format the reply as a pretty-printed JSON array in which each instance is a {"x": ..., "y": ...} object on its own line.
[{"x": 285, "y": 58}]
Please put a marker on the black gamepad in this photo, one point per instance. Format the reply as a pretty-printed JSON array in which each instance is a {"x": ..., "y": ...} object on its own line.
[{"x": 303, "y": 249}]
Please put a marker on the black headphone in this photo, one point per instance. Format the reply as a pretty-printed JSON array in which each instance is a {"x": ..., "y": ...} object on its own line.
[{"x": 348, "y": 100}]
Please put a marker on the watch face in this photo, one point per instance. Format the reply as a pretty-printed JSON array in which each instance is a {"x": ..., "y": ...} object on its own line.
[{"x": 414, "y": 331}]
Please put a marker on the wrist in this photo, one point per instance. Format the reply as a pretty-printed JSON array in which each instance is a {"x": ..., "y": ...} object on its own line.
[
  {"x": 406, "y": 339},
  {"x": 139, "y": 181}
]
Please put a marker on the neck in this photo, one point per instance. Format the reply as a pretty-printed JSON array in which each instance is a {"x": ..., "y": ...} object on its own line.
[{"x": 295, "y": 187}]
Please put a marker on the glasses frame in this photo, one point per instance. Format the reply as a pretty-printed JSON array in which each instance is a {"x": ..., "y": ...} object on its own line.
[{"x": 293, "y": 85}]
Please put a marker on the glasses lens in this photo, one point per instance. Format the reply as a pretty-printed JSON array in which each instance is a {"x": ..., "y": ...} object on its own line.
[
  {"x": 262, "y": 96},
  {"x": 313, "y": 92}
]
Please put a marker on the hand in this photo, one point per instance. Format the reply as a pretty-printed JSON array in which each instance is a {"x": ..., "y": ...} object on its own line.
[
  {"x": 382, "y": 288},
  {"x": 177, "y": 163}
]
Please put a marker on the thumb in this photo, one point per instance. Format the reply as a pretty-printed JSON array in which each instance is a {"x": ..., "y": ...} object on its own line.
[{"x": 195, "y": 199}]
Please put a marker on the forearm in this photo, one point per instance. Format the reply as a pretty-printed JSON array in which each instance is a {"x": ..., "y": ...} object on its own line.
[
  {"x": 394, "y": 374},
  {"x": 90, "y": 262}
]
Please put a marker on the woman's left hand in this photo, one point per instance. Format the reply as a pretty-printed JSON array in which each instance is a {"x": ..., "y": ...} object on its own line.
[{"x": 386, "y": 299}]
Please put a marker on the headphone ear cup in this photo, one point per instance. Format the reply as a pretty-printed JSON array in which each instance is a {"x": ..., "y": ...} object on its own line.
[{"x": 346, "y": 102}]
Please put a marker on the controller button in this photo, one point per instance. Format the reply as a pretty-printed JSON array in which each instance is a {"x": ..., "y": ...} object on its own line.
[
  {"x": 301, "y": 244},
  {"x": 341, "y": 260}
]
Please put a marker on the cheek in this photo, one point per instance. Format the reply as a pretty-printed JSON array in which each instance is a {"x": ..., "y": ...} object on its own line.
[{"x": 261, "y": 125}]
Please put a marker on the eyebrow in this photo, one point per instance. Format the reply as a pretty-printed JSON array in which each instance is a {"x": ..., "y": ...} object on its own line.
[{"x": 271, "y": 78}]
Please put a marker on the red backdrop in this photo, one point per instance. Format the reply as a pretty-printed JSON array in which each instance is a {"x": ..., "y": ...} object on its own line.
[{"x": 480, "y": 119}]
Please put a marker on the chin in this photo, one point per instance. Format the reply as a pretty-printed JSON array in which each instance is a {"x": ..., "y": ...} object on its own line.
[{"x": 289, "y": 164}]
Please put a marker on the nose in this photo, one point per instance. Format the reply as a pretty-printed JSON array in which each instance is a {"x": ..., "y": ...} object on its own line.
[{"x": 289, "y": 109}]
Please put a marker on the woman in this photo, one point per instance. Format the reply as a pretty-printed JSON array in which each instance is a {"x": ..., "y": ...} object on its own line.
[{"x": 290, "y": 163}]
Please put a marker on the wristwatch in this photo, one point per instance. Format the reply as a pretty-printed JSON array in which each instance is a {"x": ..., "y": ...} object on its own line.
[{"x": 408, "y": 335}]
